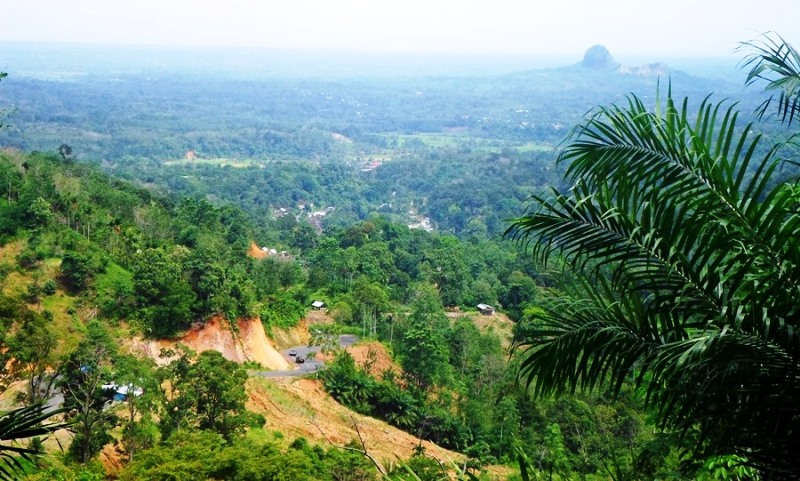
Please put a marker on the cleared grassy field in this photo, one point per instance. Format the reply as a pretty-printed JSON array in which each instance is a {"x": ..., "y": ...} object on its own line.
[
  {"x": 460, "y": 140},
  {"x": 533, "y": 147},
  {"x": 220, "y": 162},
  {"x": 401, "y": 143}
]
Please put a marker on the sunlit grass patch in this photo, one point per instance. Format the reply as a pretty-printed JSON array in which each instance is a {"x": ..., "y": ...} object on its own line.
[
  {"x": 15, "y": 284},
  {"x": 10, "y": 251},
  {"x": 267, "y": 390},
  {"x": 460, "y": 140},
  {"x": 533, "y": 147},
  {"x": 219, "y": 162},
  {"x": 66, "y": 324},
  {"x": 436, "y": 140}
]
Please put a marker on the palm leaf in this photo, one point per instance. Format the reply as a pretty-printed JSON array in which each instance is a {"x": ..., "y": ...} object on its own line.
[
  {"x": 19, "y": 424},
  {"x": 688, "y": 267},
  {"x": 775, "y": 62}
]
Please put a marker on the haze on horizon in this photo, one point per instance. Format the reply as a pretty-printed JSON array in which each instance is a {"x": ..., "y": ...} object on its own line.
[{"x": 502, "y": 27}]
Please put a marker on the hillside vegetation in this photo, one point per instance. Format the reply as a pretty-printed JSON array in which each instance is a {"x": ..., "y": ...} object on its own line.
[
  {"x": 151, "y": 258},
  {"x": 89, "y": 261}
]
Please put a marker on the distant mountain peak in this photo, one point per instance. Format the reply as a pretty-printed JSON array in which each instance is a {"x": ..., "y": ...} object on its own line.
[{"x": 598, "y": 58}]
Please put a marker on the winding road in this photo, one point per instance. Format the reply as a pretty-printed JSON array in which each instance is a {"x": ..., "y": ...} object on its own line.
[{"x": 310, "y": 365}]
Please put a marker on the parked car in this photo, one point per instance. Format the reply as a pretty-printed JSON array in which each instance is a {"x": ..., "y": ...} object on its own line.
[
  {"x": 293, "y": 352},
  {"x": 300, "y": 360}
]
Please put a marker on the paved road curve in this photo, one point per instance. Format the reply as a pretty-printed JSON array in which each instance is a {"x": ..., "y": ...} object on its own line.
[{"x": 310, "y": 365}]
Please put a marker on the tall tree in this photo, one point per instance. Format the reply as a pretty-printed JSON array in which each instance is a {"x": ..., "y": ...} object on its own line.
[
  {"x": 23, "y": 423},
  {"x": 165, "y": 297},
  {"x": 82, "y": 377},
  {"x": 137, "y": 379},
  {"x": 34, "y": 355},
  {"x": 10, "y": 310},
  {"x": 206, "y": 392},
  {"x": 687, "y": 261},
  {"x": 370, "y": 303},
  {"x": 423, "y": 346},
  {"x": 2, "y": 112}
]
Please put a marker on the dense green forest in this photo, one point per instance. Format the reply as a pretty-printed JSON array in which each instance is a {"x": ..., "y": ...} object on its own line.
[
  {"x": 460, "y": 151},
  {"x": 88, "y": 259},
  {"x": 130, "y": 205}
]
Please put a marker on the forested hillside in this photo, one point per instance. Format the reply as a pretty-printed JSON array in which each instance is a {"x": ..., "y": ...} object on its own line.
[
  {"x": 143, "y": 205},
  {"x": 88, "y": 261},
  {"x": 461, "y": 151}
]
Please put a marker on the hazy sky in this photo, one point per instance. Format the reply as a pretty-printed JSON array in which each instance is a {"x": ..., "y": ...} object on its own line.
[{"x": 527, "y": 27}]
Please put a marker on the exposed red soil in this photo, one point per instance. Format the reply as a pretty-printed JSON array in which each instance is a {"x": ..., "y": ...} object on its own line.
[
  {"x": 318, "y": 317},
  {"x": 255, "y": 252},
  {"x": 248, "y": 343},
  {"x": 112, "y": 461},
  {"x": 379, "y": 361},
  {"x": 301, "y": 407}
]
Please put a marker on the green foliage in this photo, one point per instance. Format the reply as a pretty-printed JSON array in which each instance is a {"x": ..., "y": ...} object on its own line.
[
  {"x": 92, "y": 471},
  {"x": 201, "y": 455},
  {"x": 205, "y": 393},
  {"x": 138, "y": 378},
  {"x": 777, "y": 63},
  {"x": 282, "y": 310},
  {"x": 81, "y": 383},
  {"x": 347, "y": 383},
  {"x": 518, "y": 292},
  {"x": 20, "y": 424},
  {"x": 370, "y": 301},
  {"x": 115, "y": 294},
  {"x": 392, "y": 259},
  {"x": 446, "y": 267},
  {"x": 39, "y": 213},
  {"x": 419, "y": 468},
  {"x": 163, "y": 263},
  {"x": 49, "y": 287},
  {"x": 728, "y": 468},
  {"x": 164, "y": 299},
  {"x": 422, "y": 346},
  {"x": 186, "y": 455},
  {"x": 554, "y": 454},
  {"x": 2, "y": 113},
  {"x": 78, "y": 269},
  {"x": 685, "y": 251},
  {"x": 353, "y": 386},
  {"x": 33, "y": 345},
  {"x": 470, "y": 149},
  {"x": 171, "y": 265},
  {"x": 270, "y": 276}
]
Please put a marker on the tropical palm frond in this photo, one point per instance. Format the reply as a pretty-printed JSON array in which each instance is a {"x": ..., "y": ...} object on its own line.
[
  {"x": 686, "y": 250},
  {"x": 775, "y": 62},
  {"x": 584, "y": 342},
  {"x": 23, "y": 423}
]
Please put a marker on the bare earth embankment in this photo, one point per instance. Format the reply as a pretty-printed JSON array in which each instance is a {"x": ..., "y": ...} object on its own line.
[
  {"x": 248, "y": 343},
  {"x": 302, "y": 408}
]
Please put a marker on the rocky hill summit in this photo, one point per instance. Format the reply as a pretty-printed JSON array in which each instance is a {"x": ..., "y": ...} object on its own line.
[{"x": 598, "y": 58}]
